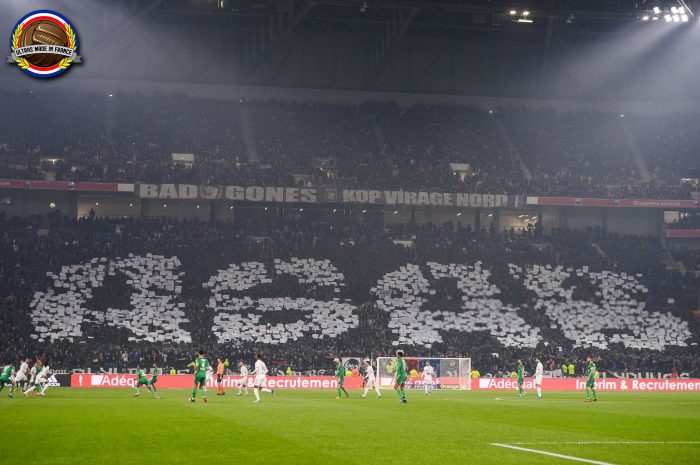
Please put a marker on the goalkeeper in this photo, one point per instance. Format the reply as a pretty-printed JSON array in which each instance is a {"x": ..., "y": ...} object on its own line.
[
  {"x": 340, "y": 374},
  {"x": 592, "y": 373},
  {"x": 401, "y": 375}
]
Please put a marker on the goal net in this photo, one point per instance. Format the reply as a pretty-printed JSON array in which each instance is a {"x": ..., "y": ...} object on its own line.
[{"x": 450, "y": 373}]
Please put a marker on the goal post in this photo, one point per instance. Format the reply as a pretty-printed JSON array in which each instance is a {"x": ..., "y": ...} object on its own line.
[{"x": 450, "y": 373}]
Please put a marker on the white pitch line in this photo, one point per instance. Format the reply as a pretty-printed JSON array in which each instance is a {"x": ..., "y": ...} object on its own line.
[
  {"x": 607, "y": 402},
  {"x": 551, "y": 454},
  {"x": 603, "y": 442}
]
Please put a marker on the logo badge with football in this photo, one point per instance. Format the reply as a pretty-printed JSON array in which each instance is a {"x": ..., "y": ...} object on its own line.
[{"x": 44, "y": 44}]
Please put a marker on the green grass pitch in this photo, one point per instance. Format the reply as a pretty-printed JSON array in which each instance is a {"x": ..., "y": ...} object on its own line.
[{"x": 110, "y": 426}]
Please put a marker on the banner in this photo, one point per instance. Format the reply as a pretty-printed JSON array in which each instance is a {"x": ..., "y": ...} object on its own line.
[
  {"x": 325, "y": 195},
  {"x": 683, "y": 233},
  {"x": 579, "y": 384},
  {"x": 92, "y": 380},
  {"x": 608, "y": 203},
  {"x": 12, "y": 184},
  {"x": 65, "y": 186}
]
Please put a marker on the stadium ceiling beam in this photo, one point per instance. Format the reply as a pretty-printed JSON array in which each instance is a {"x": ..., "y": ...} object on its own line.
[
  {"x": 387, "y": 42},
  {"x": 273, "y": 36},
  {"x": 123, "y": 27}
]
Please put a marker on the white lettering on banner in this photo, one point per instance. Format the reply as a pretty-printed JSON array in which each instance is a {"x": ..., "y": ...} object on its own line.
[
  {"x": 392, "y": 197},
  {"x": 149, "y": 191},
  {"x": 664, "y": 385},
  {"x": 603, "y": 384},
  {"x": 291, "y": 194},
  {"x": 309, "y": 195},
  {"x": 462, "y": 200},
  {"x": 256, "y": 194},
  {"x": 168, "y": 191},
  {"x": 274, "y": 194},
  {"x": 188, "y": 191}
]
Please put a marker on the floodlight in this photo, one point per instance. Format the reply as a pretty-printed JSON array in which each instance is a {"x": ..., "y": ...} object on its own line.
[
  {"x": 657, "y": 10},
  {"x": 513, "y": 12},
  {"x": 674, "y": 10},
  {"x": 668, "y": 18},
  {"x": 526, "y": 13},
  {"x": 684, "y": 18}
]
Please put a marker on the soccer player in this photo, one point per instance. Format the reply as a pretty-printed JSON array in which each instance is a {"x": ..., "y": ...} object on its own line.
[
  {"x": 41, "y": 371},
  {"x": 340, "y": 374},
  {"x": 520, "y": 369},
  {"x": 155, "y": 371},
  {"x": 401, "y": 375},
  {"x": 142, "y": 380},
  {"x": 21, "y": 376},
  {"x": 34, "y": 372},
  {"x": 260, "y": 373},
  {"x": 210, "y": 375},
  {"x": 7, "y": 378},
  {"x": 538, "y": 377},
  {"x": 201, "y": 366},
  {"x": 370, "y": 381},
  {"x": 592, "y": 373},
  {"x": 428, "y": 373},
  {"x": 243, "y": 382},
  {"x": 219, "y": 377}
]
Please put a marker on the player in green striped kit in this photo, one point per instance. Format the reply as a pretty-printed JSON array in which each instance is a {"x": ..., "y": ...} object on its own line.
[
  {"x": 340, "y": 374},
  {"x": 143, "y": 381},
  {"x": 155, "y": 371},
  {"x": 6, "y": 378},
  {"x": 201, "y": 364},
  {"x": 592, "y": 373},
  {"x": 520, "y": 370},
  {"x": 401, "y": 375}
]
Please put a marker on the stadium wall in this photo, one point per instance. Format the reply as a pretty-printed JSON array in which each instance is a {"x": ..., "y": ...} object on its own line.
[
  {"x": 78, "y": 201},
  {"x": 350, "y": 97},
  {"x": 86, "y": 380}
]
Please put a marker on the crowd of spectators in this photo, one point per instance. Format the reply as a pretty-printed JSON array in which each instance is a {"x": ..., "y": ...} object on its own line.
[
  {"x": 363, "y": 253},
  {"x": 82, "y": 136}
]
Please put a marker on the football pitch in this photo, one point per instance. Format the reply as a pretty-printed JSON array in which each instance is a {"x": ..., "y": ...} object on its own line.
[{"x": 110, "y": 426}]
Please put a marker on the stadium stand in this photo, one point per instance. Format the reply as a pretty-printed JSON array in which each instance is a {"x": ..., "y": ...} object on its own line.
[
  {"x": 104, "y": 291},
  {"x": 132, "y": 137}
]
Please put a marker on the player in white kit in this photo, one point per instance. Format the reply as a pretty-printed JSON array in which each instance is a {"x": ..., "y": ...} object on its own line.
[
  {"x": 370, "y": 380},
  {"x": 21, "y": 376},
  {"x": 243, "y": 382},
  {"x": 260, "y": 373},
  {"x": 40, "y": 380},
  {"x": 210, "y": 374},
  {"x": 428, "y": 373},
  {"x": 538, "y": 377}
]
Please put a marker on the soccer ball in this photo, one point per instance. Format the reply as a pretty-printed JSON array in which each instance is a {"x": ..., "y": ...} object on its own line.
[{"x": 52, "y": 205}]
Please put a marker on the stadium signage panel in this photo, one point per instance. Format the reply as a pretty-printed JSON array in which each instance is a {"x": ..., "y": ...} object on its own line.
[
  {"x": 610, "y": 203},
  {"x": 683, "y": 233},
  {"x": 91, "y": 380},
  {"x": 12, "y": 184},
  {"x": 579, "y": 384},
  {"x": 325, "y": 195}
]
